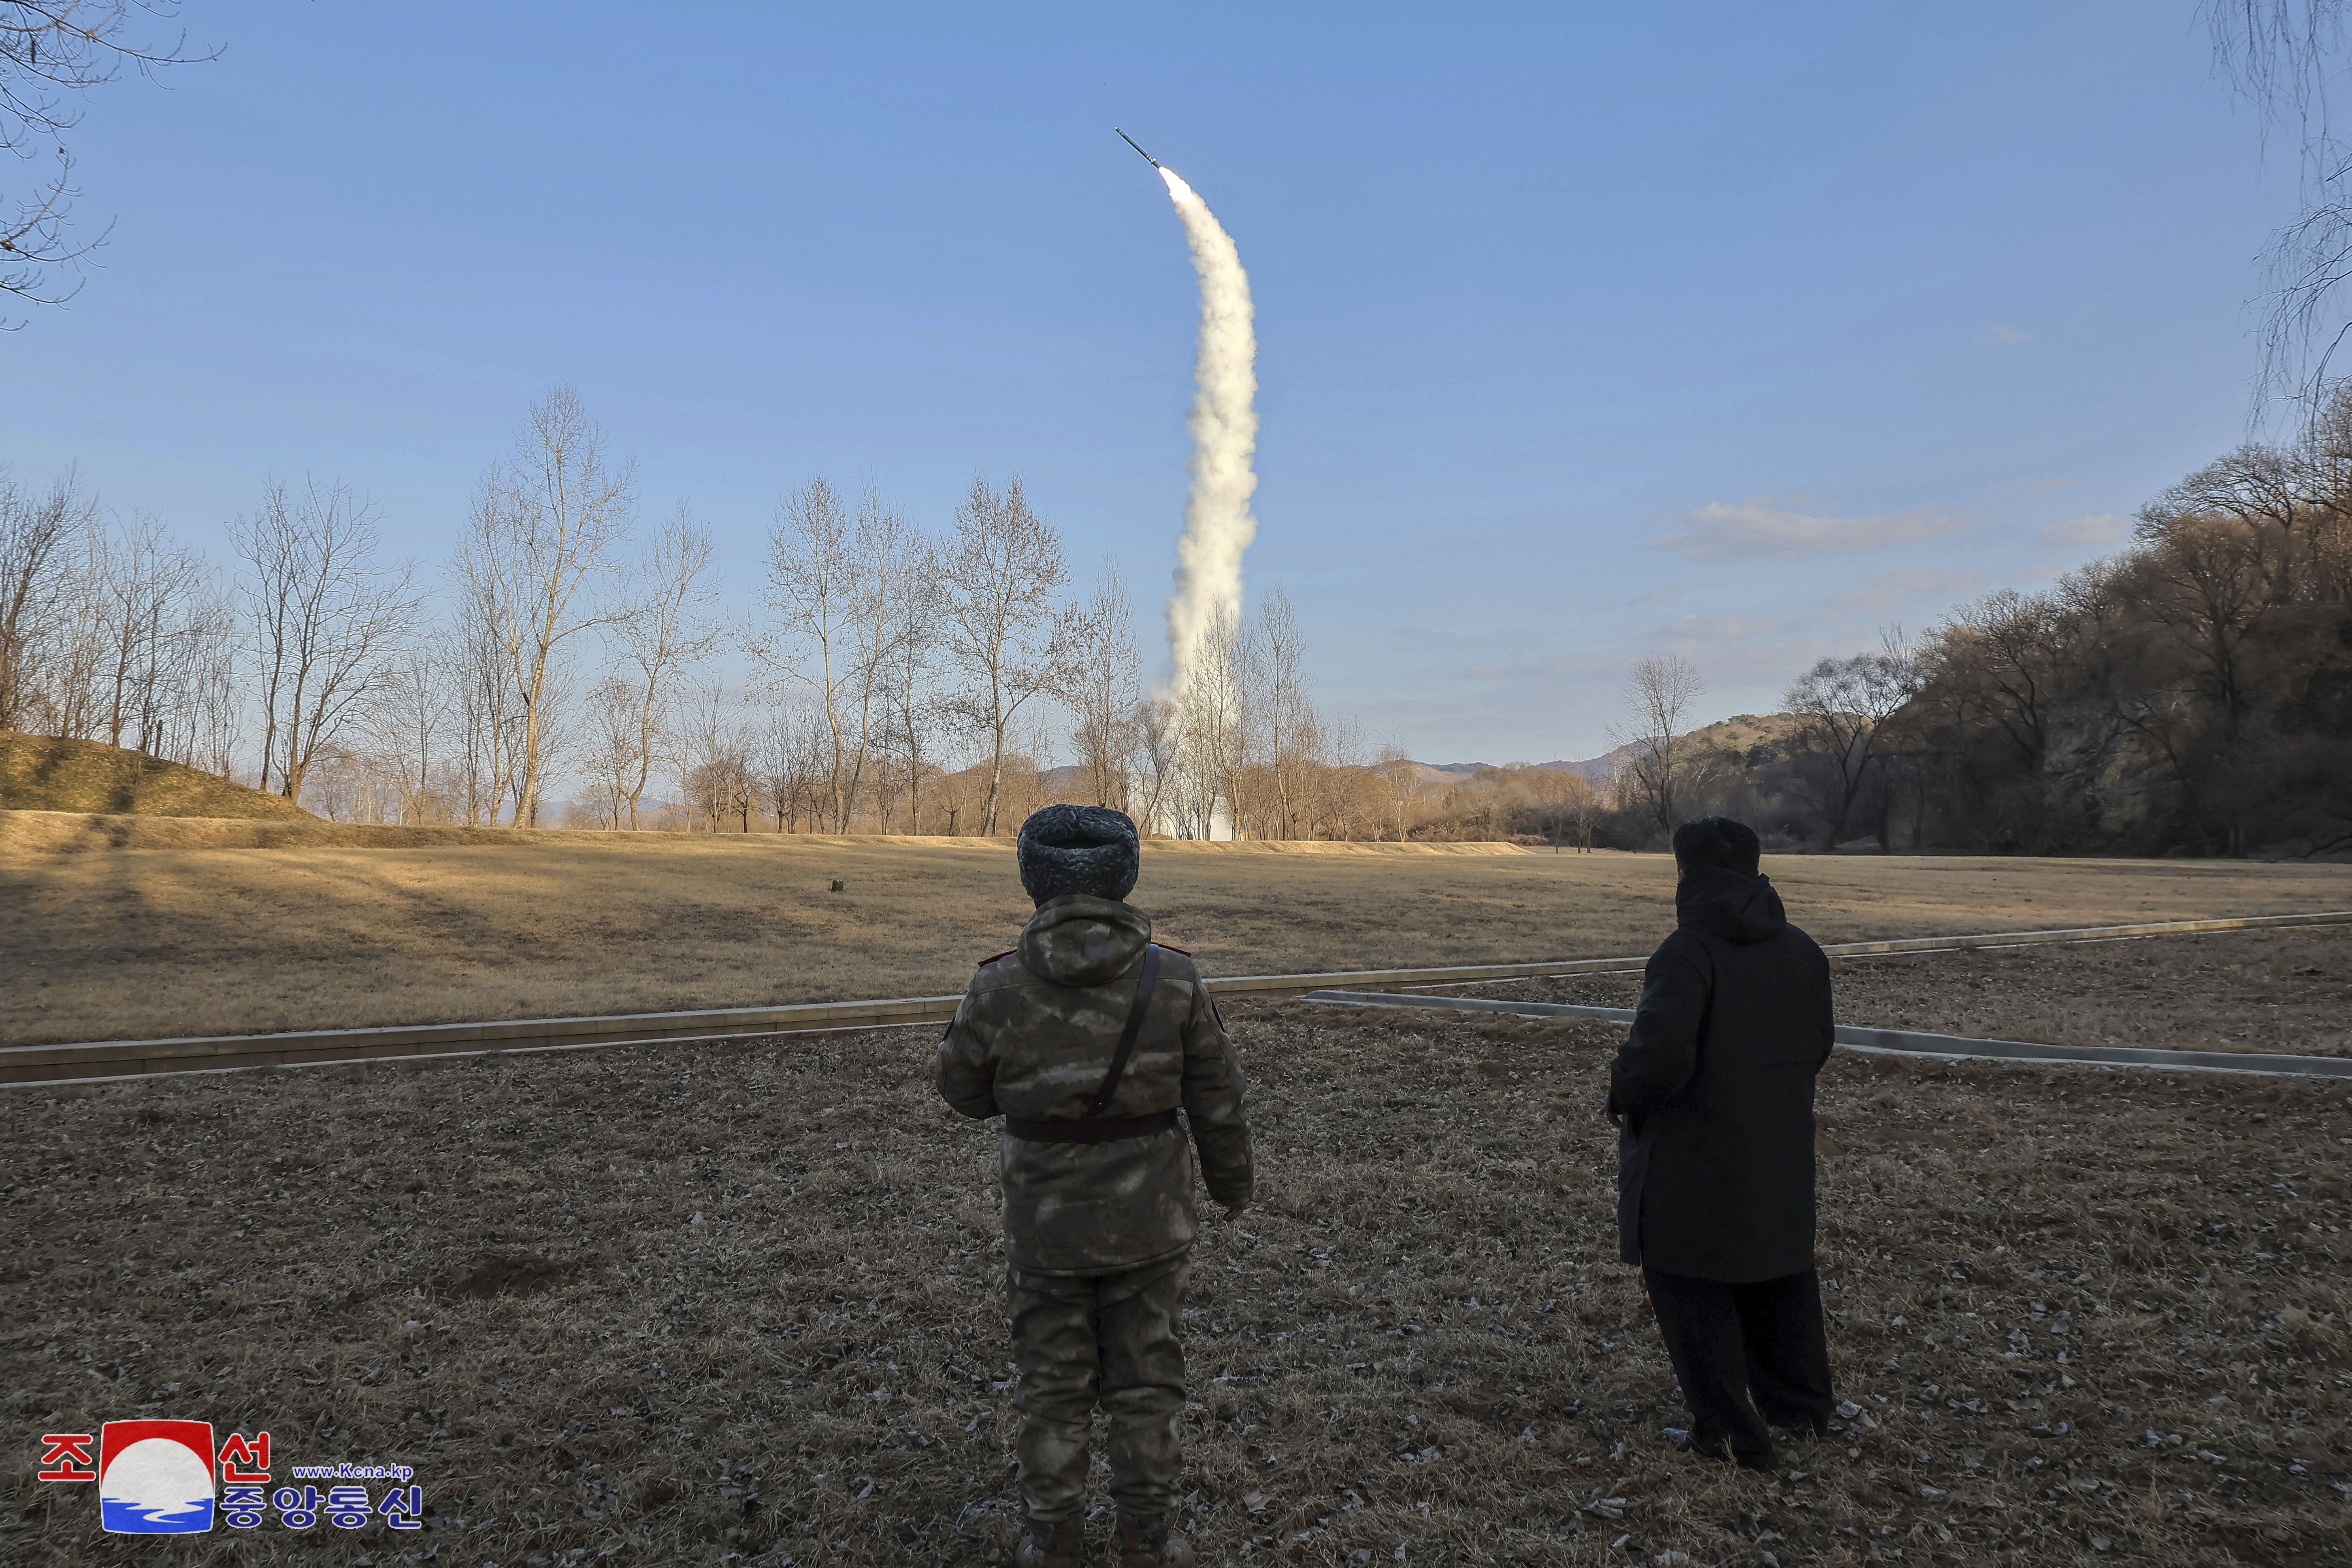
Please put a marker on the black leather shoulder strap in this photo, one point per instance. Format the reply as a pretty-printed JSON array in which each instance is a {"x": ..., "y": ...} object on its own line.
[{"x": 1150, "y": 977}]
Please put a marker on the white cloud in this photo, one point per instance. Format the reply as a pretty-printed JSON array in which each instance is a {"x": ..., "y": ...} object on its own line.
[
  {"x": 2098, "y": 527},
  {"x": 2007, "y": 336},
  {"x": 1716, "y": 628},
  {"x": 1548, "y": 669},
  {"x": 1760, "y": 528},
  {"x": 1889, "y": 591}
]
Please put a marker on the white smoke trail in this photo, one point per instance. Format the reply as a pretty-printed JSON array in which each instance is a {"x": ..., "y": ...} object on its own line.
[{"x": 1218, "y": 523}]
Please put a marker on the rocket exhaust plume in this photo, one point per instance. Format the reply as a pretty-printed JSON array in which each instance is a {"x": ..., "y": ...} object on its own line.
[{"x": 1218, "y": 523}]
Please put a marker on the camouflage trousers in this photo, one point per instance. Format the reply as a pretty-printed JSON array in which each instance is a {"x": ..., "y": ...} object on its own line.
[{"x": 1106, "y": 1339}]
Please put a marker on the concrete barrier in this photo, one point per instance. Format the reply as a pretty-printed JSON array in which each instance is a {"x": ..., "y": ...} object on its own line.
[{"x": 104, "y": 1061}]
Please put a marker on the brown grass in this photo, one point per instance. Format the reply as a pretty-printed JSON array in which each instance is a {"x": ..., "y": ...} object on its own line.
[
  {"x": 143, "y": 943},
  {"x": 43, "y": 773},
  {"x": 2288, "y": 990},
  {"x": 743, "y": 1302}
]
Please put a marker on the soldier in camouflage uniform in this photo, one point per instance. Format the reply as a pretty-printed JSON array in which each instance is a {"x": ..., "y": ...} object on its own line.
[{"x": 1087, "y": 1037}]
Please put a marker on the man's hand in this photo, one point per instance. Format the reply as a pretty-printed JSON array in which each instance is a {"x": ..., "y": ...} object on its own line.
[
  {"x": 1235, "y": 1213},
  {"x": 1610, "y": 1117}
]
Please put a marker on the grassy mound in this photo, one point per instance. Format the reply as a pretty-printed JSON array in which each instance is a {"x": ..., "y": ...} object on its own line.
[
  {"x": 48, "y": 832},
  {"x": 41, "y": 773}
]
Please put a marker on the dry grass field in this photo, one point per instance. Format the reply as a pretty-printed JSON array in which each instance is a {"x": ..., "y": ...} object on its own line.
[
  {"x": 121, "y": 928},
  {"x": 2287, "y": 991},
  {"x": 741, "y": 1303}
]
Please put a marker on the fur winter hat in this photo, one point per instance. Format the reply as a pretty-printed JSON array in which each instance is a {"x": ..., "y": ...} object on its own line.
[{"x": 1088, "y": 849}]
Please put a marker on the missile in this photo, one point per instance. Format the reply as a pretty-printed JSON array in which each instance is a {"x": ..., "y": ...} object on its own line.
[{"x": 1138, "y": 152}]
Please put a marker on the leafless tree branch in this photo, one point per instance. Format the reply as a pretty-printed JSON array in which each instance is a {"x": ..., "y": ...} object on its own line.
[{"x": 52, "y": 52}]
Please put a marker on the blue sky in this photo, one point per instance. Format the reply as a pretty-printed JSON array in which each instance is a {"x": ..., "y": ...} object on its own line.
[{"x": 1584, "y": 332}]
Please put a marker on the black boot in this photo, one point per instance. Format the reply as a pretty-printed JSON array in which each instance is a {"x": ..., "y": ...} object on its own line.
[
  {"x": 1049, "y": 1545},
  {"x": 1151, "y": 1544}
]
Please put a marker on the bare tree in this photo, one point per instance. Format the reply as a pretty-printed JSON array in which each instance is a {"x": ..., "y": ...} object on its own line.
[
  {"x": 1843, "y": 706},
  {"x": 2281, "y": 55},
  {"x": 1101, "y": 688},
  {"x": 2003, "y": 657},
  {"x": 128, "y": 593},
  {"x": 791, "y": 767},
  {"x": 1028, "y": 769},
  {"x": 414, "y": 714},
  {"x": 1398, "y": 780},
  {"x": 51, "y": 53},
  {"x": 2208, "y": 583},
  {"x": 40, "y": 536},
  {"x": 1287, "y": 721},
  {"x": 1154, "y": 728},
  {"x": 149, "y": 588},
  {"x": 819, "y": 588},
  {"x": 662, "y": 636},
  {"x": 911, "y": 702},
  {"x": 617, "y": 746},
  {"x": 1583, "y": 810},
  {"x": 349, "y": 785},
  {"x": 717, "y": 780},
  {"x": 794, "y": 757},
  {"x": 1659, "y": 691},
  {"x": 118, "y": 635},
  {"x": 206, "y": 703},
  {"x": 2280, "y": 498},
  {"x": 547, "y": 523},
  {"x": 162, "y": 675},
  {"x": 886, "y": 602},
  {"x": 326, "y": 615},
  {"x": 1214, "y": 726},
  {"x": 773, "y": 760},
  {"x": 1001, "y": 571},
  {"x": 80, "y": 646},
  {"x": 114, "y": 635},
  {"x": 1333, "y": 779},
  {"x": 488, "y": 713},
  {"x": 702, "y": 739}
]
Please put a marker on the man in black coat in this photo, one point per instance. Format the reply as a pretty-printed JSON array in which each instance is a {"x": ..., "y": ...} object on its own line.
[{"x": 1713, "y": 1090}]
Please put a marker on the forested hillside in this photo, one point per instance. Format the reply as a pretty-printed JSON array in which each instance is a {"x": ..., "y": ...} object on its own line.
[{"x": 2191, "y": 694}]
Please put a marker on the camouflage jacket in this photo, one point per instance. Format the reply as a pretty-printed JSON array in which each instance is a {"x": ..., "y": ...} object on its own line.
[{"x": 1033, "y": 1040}]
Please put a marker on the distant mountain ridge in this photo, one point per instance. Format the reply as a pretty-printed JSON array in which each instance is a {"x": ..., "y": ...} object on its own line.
[{"x": 1738, "y": 732}]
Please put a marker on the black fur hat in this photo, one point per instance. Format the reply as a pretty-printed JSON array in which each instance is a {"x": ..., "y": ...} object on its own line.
[
  {"x": 1717, "y": 841},
  {"x": 1088, "y": 849}
]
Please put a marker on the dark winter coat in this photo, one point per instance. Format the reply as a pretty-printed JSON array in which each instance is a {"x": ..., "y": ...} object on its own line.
[
  {"x": 1715, "y": 1082},
  {"x": 1033, "y": 1040}
]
